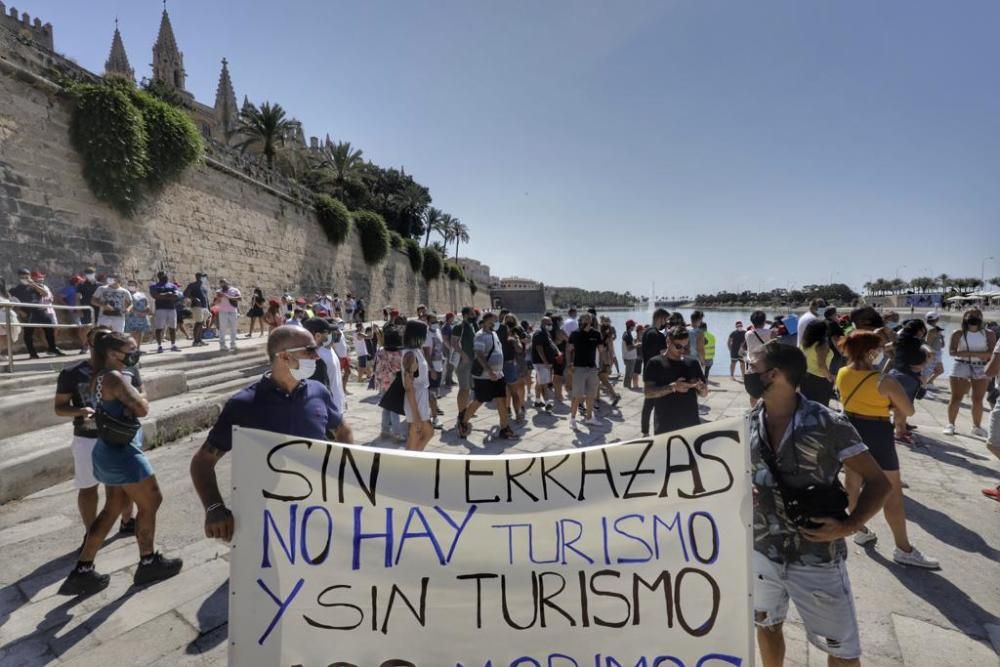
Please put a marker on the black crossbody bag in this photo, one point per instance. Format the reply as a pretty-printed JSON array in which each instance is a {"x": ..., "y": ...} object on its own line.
[
  {"x": 813, "y": 501},
  {"x": 116, "y": 431}
]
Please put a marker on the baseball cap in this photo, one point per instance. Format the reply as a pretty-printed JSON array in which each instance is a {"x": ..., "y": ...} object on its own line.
[
  {"x": 315, "y": 325},
  {"x": 300, "y": 301},
  {"x": 739, "y": 324},
  {"x": 23, "y": 272},
  {"x": 933, "y": 315},
  {"x": 37, "y": 275},
  {"x": 630, "y": 323}
]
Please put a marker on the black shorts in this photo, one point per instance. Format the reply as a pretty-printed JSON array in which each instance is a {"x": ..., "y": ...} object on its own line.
[
  {"x": 880, "y": 438},
  {"x": 486, "y": 390}
]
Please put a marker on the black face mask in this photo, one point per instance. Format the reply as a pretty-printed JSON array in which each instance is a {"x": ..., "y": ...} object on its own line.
[
  {"x": 755, "y": 385},
  {"x": 131, "y": 359}
]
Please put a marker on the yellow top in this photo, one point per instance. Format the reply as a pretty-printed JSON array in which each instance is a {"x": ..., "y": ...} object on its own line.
[
  {"x": 812, "y": 360},
  {"x": 866, "y": 401}
]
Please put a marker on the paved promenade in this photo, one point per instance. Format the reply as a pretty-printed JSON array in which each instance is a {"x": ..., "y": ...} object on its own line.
[{"x": 908, "y": 617}]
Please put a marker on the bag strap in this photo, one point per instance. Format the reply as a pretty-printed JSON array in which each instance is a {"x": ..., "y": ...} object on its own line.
[
  {"x": 857, "y": 387},
  {"x": 100, "y": 382},
  {"x": 762, "y": 341}
]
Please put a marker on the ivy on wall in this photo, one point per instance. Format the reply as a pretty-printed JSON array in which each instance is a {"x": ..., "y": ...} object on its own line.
[
  {"x": 374, "y": 236},
  {"x": 131, "y": 142},
  {"x": 433, "y": 264},
  {"x": 334, "y": 218}
]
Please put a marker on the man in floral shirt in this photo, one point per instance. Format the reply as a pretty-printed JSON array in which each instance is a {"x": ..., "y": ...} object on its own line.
[{"x": 808, "y": 444}]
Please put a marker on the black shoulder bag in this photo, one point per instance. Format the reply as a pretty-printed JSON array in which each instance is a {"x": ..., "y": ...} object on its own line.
[
  {"x": 477, "y": 368},
  {"x": 116, "y": 431},
  {"x": 813, "y": 501}
]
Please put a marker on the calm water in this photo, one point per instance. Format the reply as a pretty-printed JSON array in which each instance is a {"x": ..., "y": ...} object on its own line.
[{"x": 720, "y": 323}]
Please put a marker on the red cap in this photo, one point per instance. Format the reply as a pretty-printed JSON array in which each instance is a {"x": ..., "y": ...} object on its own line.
[
  {"x": 273, "y": 302},
  {"x": 449, "y": 315},
  {"x": 393, "y": 312},
  {"x": 300, "y": 301},
  {"x": 76, "y": 280},
  {"x": 630, "y": 323},
  {"x": 37, "y": 275}
]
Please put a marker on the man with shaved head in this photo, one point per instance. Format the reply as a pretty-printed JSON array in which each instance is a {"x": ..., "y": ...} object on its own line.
[{"x": 284, "y": 401}]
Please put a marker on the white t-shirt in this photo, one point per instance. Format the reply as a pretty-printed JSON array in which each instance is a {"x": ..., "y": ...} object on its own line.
[
  {"x": 359, "y": 344},
  {"x": 803, "y": 321},
  {"x": 332, "y": 362},
  {"x": 340, "y": 347},
  {"x": 116, "y": 297},
  {"x": 570, "y": 325},
  {"x": 756, "y": 338}
]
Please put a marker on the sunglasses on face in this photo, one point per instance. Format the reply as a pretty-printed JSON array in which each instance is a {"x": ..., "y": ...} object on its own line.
[{"x": 679, "y": 348}]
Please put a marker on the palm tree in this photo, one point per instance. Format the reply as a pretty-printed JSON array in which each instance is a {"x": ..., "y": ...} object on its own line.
[
  {"x": 343, "y": 168},
  {"x": 944, "y": 280},
  {"x": 440, "y": 249},
  {"x": 459, "y": 234},
  {"x": 432, "y": 223},
  {"x": 445, "y": 230},
  {"x": 262, "y": 128},
  {"x": 995, "y": 281}
]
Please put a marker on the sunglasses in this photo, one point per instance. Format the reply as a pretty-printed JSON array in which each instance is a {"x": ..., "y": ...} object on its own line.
[{"x": 679, "y": 348}]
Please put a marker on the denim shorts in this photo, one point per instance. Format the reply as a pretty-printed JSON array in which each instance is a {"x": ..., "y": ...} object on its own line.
[{"x": 822, "y": 595}]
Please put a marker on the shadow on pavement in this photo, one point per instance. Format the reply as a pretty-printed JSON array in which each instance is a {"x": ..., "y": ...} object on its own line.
[
  {"x": 953, "y": 455},
  {"x": 947, "y": 530},
  {"x": 212, "y": 614},
  {"x": 937, "y": 591}
]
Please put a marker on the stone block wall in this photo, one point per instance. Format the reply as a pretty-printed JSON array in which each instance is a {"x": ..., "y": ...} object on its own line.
[{"x": 215, "y": 220}]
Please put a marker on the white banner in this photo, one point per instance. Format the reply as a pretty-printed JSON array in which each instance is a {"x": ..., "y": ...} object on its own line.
[{"x": 625, "y": 555}]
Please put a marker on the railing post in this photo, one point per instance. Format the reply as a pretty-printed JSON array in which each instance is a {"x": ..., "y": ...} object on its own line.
[{"x": 10, "y": 340}]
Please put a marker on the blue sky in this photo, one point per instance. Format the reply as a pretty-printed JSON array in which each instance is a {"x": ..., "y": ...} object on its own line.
[{"x": 705, "y": 145}]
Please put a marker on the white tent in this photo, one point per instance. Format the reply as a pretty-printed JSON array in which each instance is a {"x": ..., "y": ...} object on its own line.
[{"x": 961, "y": 298}]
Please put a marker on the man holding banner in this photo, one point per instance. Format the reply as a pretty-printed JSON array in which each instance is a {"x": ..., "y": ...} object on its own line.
[
  {"x": 283, "y": 400},
  {"x": 800, "y": 518}
]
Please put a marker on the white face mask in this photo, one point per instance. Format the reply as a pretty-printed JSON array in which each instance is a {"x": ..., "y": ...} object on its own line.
[
  {"x": 112, "y": 282},
  {"x": 305, "y": 370},
  {"x": 90, "y": 276},
  {"x": 877, "y": 361},
  {"x": 25, "y": 281}
]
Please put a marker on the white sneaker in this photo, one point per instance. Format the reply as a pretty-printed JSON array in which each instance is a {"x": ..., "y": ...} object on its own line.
[
  {"x": 593, "y": 421},
  {"x": 949, "y": 429},
  {"x": 979, "y": 432},
  {"x": 865, "y": 536},
  {"x": 572, "y": 423},
  {"x": 915, "y": 559}
]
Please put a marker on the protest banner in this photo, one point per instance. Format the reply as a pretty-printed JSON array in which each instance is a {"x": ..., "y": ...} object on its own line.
[{"x": 623, "y": 555}]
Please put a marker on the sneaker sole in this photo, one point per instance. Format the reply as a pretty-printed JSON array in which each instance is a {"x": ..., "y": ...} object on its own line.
[
  {"x": 917, "y": 565},
  {"x": 145, "y": 582}
]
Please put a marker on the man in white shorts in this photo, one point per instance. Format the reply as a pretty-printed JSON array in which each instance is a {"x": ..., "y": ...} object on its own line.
[
  {"x": 113, "y": 302},
  {"x": 74, "y": 399},
  {"x": 543, "y": 353},
  {"x": 795, "y": 444}
]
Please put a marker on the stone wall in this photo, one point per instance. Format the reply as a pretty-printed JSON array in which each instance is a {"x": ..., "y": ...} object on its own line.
[
  {"x": 520, "y": 301},
  {"x": 216, "y": 219}
]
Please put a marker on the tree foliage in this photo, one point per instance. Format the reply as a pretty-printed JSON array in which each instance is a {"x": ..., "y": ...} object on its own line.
[
  {"x": 415, "y": 254},
  {"x": 129, "y": 141},
  {"x": 433, "y": 264},
  {"x": 473, "y": 287},
  {"x": 834, "y": 293},
  {"x": 334, "y": 218},
  {"x": 564, "y": 297},
  {"x": 395, "y": 240},
  {"x": 263, "y": 129},
  {"x": 374, "y": 236},
  {"x": 455, "y": 272}
]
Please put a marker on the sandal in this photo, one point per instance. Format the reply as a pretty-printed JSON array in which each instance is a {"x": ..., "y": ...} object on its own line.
[
  {"x": 127, "y": 527},
  {"x": 464, "y": 429},
  {"x": 507, "y": 433}
]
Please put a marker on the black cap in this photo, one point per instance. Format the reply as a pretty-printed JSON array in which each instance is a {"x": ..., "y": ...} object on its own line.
[
  {"x": 23, "y": 272},
  {"x": 315, "y": 325},
  {"x": 466, "y": 311}
]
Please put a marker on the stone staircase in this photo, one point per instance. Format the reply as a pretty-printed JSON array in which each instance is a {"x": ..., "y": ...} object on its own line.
[{"x": 186, "y": 391}]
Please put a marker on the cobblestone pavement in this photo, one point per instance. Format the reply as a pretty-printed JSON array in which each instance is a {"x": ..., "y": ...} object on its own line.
[{"x": 908, "y": 617}]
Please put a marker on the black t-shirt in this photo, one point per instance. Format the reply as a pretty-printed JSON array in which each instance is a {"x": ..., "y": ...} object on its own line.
[
  {"x": 86, "y": 291},
  {"x": 585, "y": 347},
  {"x": 542, "y": 339},
  {"x": 196, "y": 292},
  {"x": 653, "y": 343},
  {"x": 628, "y": 338},
  {"x": 321, "y": 375},
  {"x": 75, "y": 381},
  {"x": 679, "y": 410},
  {"x": 506, "y": 345},
  {"x": 736, "y": 341},
  {"x": 25, "y": 294}
]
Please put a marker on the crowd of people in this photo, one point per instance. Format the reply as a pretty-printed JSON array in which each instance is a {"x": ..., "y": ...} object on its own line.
[{"x": 819, "y": 475}]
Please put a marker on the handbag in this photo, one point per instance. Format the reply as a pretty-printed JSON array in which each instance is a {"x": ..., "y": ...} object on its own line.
[
  {"x": 394, "y": 397},
  {"x": 113, "y": 430},
  {"x": 814, "y": 500}
]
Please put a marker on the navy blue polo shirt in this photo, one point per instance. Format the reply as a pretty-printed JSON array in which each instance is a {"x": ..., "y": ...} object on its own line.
[{"x": 307, "y": 412}]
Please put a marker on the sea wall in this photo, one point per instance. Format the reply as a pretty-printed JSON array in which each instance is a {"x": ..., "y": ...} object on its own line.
[{"x": 216, "y": 219}]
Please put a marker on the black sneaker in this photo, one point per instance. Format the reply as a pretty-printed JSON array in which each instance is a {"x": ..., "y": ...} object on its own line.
[
  {"x": 58, "y": 352},
  {"x": 127, "y": 527},
  {"x": 84, "y": 582},
  {"x": 157, "y": 569}
]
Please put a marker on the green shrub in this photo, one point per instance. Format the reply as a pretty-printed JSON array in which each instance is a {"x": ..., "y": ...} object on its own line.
[
  {"x": 455, "y": 272},
  {"x": 473, "y": 287},
  {"x": 108, "y": 132},
  {"x": 433, "y": 264},
  {"x": 172, "y": 140},
  {"x": 395, "y": 239},
  {"x": 129, "y": 141},
  {"x": 415, "y": 254},
  {"x": 374, "y": 236},
  {"x": 334, "y": 218}
]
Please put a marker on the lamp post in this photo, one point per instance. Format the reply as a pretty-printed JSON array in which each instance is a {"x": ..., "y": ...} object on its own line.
[{"x": 982, "y": 271}]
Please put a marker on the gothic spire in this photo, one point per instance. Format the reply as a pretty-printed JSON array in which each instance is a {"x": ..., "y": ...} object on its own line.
[
  {"x": 168, "y": 61},
  {"x": 117, "y": 63},
  {"x": 225, "y": 101}
]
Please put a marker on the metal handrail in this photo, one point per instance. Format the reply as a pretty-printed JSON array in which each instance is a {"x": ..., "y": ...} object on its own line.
[{"x": 8, "y": 306}]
